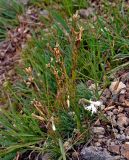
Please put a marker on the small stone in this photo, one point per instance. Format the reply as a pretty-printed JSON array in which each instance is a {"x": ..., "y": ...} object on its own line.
[
  {"x": 92, "y": 87},
  {"x": 126, "y": 102},
  {"x": 102, "y": 107},
  {"x": 84, "y": 13},
  {"x": 121, "y": 98},
  {"x": 122, "y": 137},
  {"x": 114, "y": 149},
  {"x": 103, "y": 99},
  {"x": 117, "y": 158},
  {"x": 127, "y": 94},
  {"x": 116, "y": 86},
  {"x": 122, "y": 121},
  {"x": 11, "y": 72},
  {"x": 2, "y": 55},
  {"x": 118, "y": 136},
  {"x": 121, "y": 132},
  {"x": 123, "y": 91},
  {"x": 75, "y": 155},
  {"x": 114, "y": 123},
  {"x": 109, "y": 113},
  {"x": 108, "y": 142},
  {"x": 122, "y": 128},
  {"x": 115, "y": 130},
  {"x": 97, "y": 144},
  {"x": 127, "y": 110},
  {"x": 100, "y": 136},
  {"x": 98, "y": 130},
  {"x": 93, "y": 153},
  {"x": 127, "y": 131},
  {"x": 112, "y": 143},
  {"x": 107, "y": 93},
  {"x": 115, "y": 111},
  {"x": 121, "y": 115},
  {"x": 125, "y": 150},
  {"x": 120, "y": 109}
]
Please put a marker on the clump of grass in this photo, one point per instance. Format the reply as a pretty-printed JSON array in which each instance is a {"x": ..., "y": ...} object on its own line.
[
  {"x": 9, "y": 11},
  {"x": 46, "y": 96}
]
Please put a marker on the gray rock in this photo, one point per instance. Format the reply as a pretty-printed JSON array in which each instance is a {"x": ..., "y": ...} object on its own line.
[
  {"x": 109, "y": 113},
  {"x": 84, "y": 13},
  {"x": 93, "y": 153},
  {"x": 122, "y": 121},
  {"x": 99, "y": 130},
  {"x": 115, "y": 111}
]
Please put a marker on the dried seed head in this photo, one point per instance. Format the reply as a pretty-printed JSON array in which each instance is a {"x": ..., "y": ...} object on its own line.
[
  {"x": 30, "y": 79},
  {"x": 28, "y": 70},
  {"x": 76, "y": 16}
]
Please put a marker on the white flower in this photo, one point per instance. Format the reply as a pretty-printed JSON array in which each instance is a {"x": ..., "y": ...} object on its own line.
[{"x": 91, "y": 108}]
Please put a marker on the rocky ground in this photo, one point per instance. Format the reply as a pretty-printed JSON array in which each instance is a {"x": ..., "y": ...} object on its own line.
[
  {"x": 10, "y": 49},
  {"x": 111, "y": 136}
]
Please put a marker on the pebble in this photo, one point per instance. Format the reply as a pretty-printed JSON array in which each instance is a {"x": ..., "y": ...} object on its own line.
[
  {"x": 127, "y": 131},
  {"x": 125, "y": 150},
  {"x": 115, "y": 130},
  {"x": 123, "y": 91},
  {"x": 122, "y": 128},
  {"x": 109, "y": 113},
  {"x": 107, "y": 93},
  {"x": 121, "y": 132},
  {"x": 121, "y": 98},
  {"x": 116, "y": 86},
  {"x": 121, "y": 137},
  {"x": 97, "y": 144},
  {"x": 126, "y": 109},
  {"x": 120, "y": 109},
  {"x": 100, "y": 136},
  {"x": 114, "y": 123},
  {"x": 108, "y": 142},
  {"x": 103, "y": 99},
  {"x": 2, "y": 55},
  {"x": 122, "y": 121},
  {"x": 84, "y": 13},
  {"x": 117, "y": 158},
  {"x": 115, "y": 111},
  {"x": 98, "y": 130},
  {"x": 114, "y": 149}
]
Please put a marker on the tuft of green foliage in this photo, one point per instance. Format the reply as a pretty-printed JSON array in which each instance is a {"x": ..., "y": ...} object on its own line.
[{"x": 45, "y": 101}]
